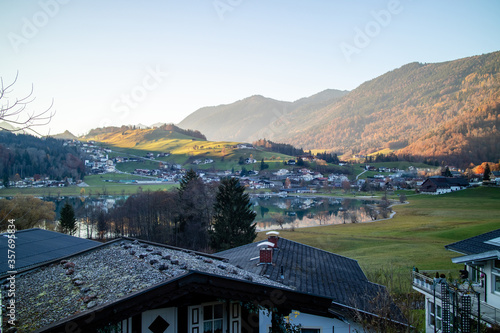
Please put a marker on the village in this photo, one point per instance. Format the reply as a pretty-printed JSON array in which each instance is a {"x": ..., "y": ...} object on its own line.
[{"x": 292, "y": 178}]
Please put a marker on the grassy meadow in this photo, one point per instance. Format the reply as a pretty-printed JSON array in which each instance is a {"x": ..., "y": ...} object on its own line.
[{"x": 417, "y": 234}]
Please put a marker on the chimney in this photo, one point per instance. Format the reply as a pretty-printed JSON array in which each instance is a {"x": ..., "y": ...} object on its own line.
[
  {"x": 266, "y": 252},
  {"x": 272, "y": 236}
]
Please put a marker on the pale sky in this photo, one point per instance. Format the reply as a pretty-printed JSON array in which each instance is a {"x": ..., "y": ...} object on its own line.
[{"x": 130, "y": 62}]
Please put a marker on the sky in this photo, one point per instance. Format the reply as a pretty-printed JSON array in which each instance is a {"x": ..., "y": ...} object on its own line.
[{"x": 101, "y": 63}]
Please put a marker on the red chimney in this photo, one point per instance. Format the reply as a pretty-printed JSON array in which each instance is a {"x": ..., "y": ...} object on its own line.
[
  {"x": 272, "y": 236},
  {"x": 266, "y": 252}
]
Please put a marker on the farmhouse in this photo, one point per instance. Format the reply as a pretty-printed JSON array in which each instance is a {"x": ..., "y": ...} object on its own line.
[
  {"x": 475, "y": 296},
  {"x": 440, "y": 185}
]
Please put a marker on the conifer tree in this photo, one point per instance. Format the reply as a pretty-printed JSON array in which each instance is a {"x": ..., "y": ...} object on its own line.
[
  {"x": 487, "y": 173},
  {"x": 68, "y": 220},
  {"x": 186, "y": 179},
  {"x": 233, "y": 217}
]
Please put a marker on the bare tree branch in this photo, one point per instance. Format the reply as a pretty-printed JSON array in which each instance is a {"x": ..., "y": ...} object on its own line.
[{"x": 15, "y": 112}]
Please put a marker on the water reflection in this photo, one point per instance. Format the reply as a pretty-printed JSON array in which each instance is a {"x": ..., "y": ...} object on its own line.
[{"x": 300, "y": 212}]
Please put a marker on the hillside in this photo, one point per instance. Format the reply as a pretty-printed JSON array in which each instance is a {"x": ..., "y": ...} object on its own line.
[
  {"x": 448, "y": 111},
  {"x": 184, "y": 149},
  {"x": 66, "y": 135},
  {"x": 155, "y": 139},
  {"x": 23, "y": 155},
  {"x": 256, "y": 117}
]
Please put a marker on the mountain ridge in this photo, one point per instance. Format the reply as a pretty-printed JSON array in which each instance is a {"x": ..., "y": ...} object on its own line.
[
  {"x": 251, "y": 118},
  {"x": 447, "y": 111}
]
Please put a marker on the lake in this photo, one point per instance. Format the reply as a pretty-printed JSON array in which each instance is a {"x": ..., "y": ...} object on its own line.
[{"x": 299, "y": 212}]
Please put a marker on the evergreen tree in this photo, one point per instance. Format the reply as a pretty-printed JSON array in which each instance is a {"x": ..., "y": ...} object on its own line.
[
  {"x": 194, "y": 212},
  {"x": 263, "y": 165},
  {"x": 446, "y": 172},
  {"x": 68, "y": 220},
  {"x": 233, "y": 217},
  {"x": 487, "y": 173}
]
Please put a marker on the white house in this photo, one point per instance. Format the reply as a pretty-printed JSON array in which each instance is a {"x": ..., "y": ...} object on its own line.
[
  {"x": 281, "y": 172},
  {"x": 475, "y": 296}
]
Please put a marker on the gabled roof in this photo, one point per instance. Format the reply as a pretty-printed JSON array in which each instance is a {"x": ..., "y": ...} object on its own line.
[
  {"x": 446, "y": 182},
  {"x": 114, "y": 271},
  {"x": 477, "y": 244},
  {"x": 36, "y": 246},
  {"x": 312, "y": 271}
]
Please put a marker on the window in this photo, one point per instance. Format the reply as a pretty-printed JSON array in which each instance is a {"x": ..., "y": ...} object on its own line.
[
  {"x": 310, "y": 330},
  {"x": 212, "y": 318},
  {"x": 496, "y": 282},
  {"x": 435, "y": 315}
]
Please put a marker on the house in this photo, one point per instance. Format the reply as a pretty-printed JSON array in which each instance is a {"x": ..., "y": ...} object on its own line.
[
  {"x": 314, "y": 272},
  {"x": 244, "y": 146},
  {"x": 137, "y": 286},
  {"x": 440, "y": 185},
  {"x": 281, "y": 172},
  {"x": 476, "y": 295},
  {"x": 495, "y": 177},
  {"x": 129, "y": 286}
]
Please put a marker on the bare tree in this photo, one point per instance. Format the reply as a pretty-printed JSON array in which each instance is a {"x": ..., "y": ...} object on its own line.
[
  {"x": 15, "y": 112},
  {"x": 278, "y": 218},
  {"x": 354, "y": 217}
]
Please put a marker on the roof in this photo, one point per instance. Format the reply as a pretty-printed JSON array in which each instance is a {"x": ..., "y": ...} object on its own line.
[
  {"x": 36, "y": 246},
  {"x": 489, "y": 255},
  {"x": 477, "y": 244},
  {"x": 313, "y": 271},
  {"x": 446, "y": 182},
  {"x": 110, "y": 273}
]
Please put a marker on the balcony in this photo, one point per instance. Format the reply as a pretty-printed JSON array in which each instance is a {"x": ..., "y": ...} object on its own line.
[{"x": 489, "y": 314}]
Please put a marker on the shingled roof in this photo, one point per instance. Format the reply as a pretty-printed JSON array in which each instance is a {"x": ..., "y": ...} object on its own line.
[
  {"x": 313, "y": 271},
  {"x": 477, "y": 244},
  {"x": 36, "y": 246},
  {"x": 110, "y": 273}
]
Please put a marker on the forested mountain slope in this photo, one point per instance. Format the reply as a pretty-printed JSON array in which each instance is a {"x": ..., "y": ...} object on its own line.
[{"x": 446, "y": 110}]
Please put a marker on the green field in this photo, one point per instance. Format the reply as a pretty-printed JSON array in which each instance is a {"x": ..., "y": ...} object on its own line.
[
  {"x": 97, "y": 186},
  {"x": 417, "y": 234}
]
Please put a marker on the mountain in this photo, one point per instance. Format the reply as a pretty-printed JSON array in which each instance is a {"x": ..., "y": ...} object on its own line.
[
  {"x": 448, "y": 111},
  {"x": 66, "y": 135},
  {"x": 5, "y": 126},
  {"x": 256, "y": 116}
]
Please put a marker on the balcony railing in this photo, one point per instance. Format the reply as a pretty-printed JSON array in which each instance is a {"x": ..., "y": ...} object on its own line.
[{"x": 489, "y": 313}]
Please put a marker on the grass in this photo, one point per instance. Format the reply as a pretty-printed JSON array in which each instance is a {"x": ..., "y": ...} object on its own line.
[
  {"x": 97, "y": 186},
  {"x": 417, "y": 234}
]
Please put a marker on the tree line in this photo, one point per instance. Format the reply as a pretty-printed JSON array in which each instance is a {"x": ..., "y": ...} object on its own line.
[
  {"x": 282, "y": 148},
  {"x": 197, "y": 216}
]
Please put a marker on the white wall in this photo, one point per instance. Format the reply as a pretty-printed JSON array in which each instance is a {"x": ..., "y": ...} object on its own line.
[
  {"x": 169, "y": 314},
  {"x": 325, "y": 324}
]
